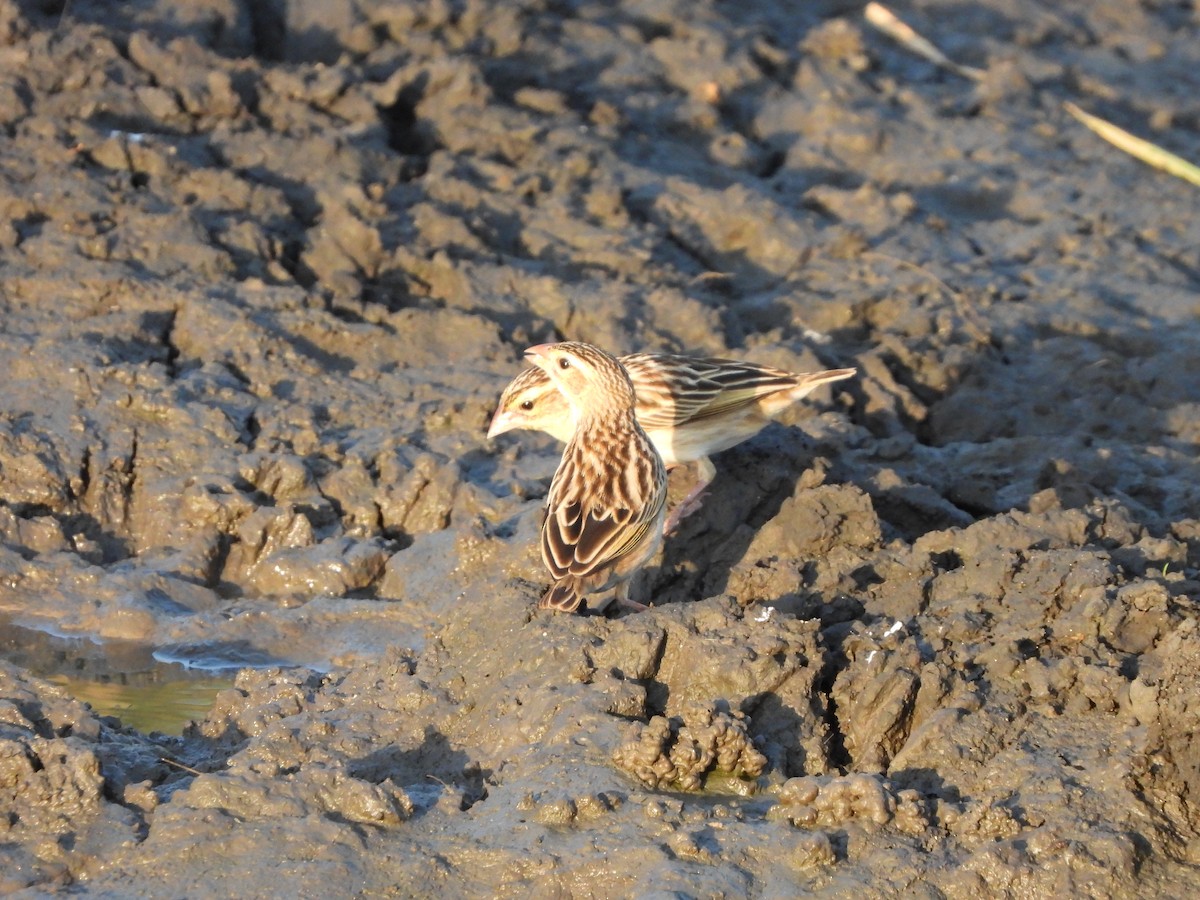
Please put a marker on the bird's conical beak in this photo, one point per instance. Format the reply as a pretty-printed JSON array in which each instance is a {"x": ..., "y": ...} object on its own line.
[
  {"x": 536, "y": 352},
  {"x": 500, "y": 423}
]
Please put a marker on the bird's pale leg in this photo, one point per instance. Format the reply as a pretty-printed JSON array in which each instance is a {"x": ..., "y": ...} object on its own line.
[
  {"x": 706, "y": 472},
  {"x": 621, "y": 595}
]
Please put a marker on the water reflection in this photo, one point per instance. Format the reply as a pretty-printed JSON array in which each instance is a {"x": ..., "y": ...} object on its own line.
[
  {"x": 166, "y": 706},
  {"x": 121, "y": 678}
]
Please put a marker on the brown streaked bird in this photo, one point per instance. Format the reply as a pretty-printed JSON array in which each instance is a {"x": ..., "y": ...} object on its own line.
[
  {"x": 605, "y": 509},
  {"x": 690, "y": 407}
]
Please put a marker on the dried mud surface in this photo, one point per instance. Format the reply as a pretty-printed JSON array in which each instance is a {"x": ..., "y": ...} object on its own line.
[{"x": 266, "y": 267}]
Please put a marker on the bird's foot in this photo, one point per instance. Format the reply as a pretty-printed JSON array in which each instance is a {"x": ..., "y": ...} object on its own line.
[{"x": 684, "y": 508}]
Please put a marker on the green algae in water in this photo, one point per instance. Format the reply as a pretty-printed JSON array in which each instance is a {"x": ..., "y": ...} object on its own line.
[
  {"x": 117, "y": 678},
  {"x": 166, "y": 706}
]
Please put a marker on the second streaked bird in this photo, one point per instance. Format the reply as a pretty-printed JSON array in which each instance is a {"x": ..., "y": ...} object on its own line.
[{"x": 690, "y": 407}]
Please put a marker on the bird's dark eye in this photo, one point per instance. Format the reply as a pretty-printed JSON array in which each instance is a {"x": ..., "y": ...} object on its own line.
[
  {"x": 527, "y": 405},
  {"x": 564, "y": 363}
]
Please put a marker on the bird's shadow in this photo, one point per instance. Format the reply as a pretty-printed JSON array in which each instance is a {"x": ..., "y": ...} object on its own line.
[{"x": 753, "y": 481}]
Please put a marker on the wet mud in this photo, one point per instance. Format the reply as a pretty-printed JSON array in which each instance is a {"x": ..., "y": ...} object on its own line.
[{"x": 266, "y": 268}]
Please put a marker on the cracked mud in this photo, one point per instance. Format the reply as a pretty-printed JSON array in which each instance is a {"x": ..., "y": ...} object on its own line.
[{"x": 267, "y": 267}]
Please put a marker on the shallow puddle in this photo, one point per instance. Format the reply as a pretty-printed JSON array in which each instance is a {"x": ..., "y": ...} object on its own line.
[
  {"x": 120, "y": 678},
  {"x": 165, "y": 706}
]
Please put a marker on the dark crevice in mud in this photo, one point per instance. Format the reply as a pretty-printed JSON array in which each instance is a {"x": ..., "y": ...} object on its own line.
[
  {"x": 32, "y": 710},
  {"x": 77, "y": 489},
  {"x": 414, "y": 167},
  {"x": 975, "y": 510},
  {"x": 506, "y": 76},
  {"x": 771, "y": 164},
  {"x": 268, "y": 29},
  {"x": 695, "y": 254},
  {"x": 775, "y": 63},
  {"x": 1130, "y": 667},
  {"x": 290, "y": 258},
  {"x": 35, "y": 761},
  {"x": 167, "y": 339},
  {"x": 127, "y": 483},
  {"x": 926, "y": 595},
  {"x": 398, "y": 538},
  {"x": 250, "y": 431},
  {"x": 835, "y": 740},
  {"x": 138, "y": 179},
  {"x": 237, "y": 372},
  {"x": 475, "y": 790},
  {"x": 834, "y": 663},
  {"x": 405, "y": 133},
  {"x": 29, "y": 226},
  {"x": 657, "y": 692},
  {"x": 29, "y": 510},
  {"x": 649, "y": 29},
  {"x": 1027, "y": 649},
  {"x": 215, "y": 565},
  {"x": 339, "y": 309}
]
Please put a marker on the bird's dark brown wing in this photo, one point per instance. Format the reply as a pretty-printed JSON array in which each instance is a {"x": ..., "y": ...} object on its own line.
[
  {"x": 600, "y": 507},
  {"x": 672, "y": 390}
]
